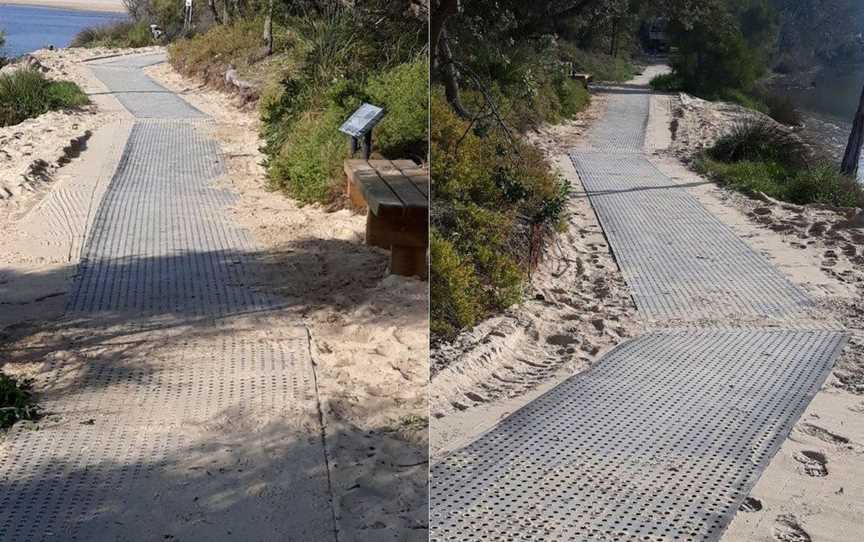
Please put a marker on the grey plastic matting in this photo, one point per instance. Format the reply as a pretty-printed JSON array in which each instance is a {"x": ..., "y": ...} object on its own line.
[
  {"x": 176, "y": 422},
  {"x": 161, "y": 242},
  {"x": 678, "y": 259},
  {"x": 665, "y": 436},
  {"x": 661, "y": 440},
  {"x": 139, "y": 94}
]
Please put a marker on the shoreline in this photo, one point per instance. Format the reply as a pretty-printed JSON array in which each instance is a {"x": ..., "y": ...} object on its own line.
[{"x": 94, "y": 6}]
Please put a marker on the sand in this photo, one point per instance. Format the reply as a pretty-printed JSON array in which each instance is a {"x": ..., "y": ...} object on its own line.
[
  {"x": 113, "y": 6},
  {"x": 368, "y": 330}
]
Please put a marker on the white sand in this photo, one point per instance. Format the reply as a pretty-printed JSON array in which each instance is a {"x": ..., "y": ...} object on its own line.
[{"x": 114, "y": 6}]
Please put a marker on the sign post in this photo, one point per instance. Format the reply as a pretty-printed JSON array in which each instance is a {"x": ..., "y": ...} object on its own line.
[{"x": 359, "y": 126}]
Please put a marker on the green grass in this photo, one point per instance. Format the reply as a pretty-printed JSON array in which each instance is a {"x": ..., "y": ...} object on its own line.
[
  {"x": 26, "y": 94},
  {"x": 759, "y": 157},
  {"x": 16, "y": 401}
]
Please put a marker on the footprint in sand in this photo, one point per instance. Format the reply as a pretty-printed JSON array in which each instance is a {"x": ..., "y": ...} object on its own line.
[
  {"x": 787, "y": 529},
  {"x": 750, "y": 504},
  {"x": 815, "y": 463},
  {"x": 823, "y": 434}
]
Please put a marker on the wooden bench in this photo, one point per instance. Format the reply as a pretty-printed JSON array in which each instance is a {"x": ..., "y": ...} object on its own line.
[{"x": 397, "y": 196}]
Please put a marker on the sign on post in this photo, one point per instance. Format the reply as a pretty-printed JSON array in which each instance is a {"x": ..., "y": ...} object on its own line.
[{"x": 360, "y": 124}]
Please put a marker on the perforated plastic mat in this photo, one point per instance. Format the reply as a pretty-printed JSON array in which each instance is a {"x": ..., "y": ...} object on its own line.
[
  {"x": 661, "y": 440},
  {"x": 165, "y": 418},
  {"x": 678, "y": 259},
  {"x": 141, "y": 95},
  {"x": 161, "y": 242}
]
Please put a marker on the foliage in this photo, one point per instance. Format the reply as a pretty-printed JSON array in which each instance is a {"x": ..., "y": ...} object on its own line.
[
  {"x": 341, "y": 63},
  {"x": 760, "y": 157},
  {"x": 119, "y": 34},
  {"x": 404, "y": 92},
  {"x": 760, "y": 141},
  {"x": 490, "y": 192},
  {"x": 454, "y": 289},
  {"x": 208, "y": 55},
  {"x": 667, "y": 82},
  {"x": 601, "y": 66},
  {"x": 310, "y": 157},
  {"x": 16, "y": 401},
  {"x": 781, "y": 108},
  {"x": 26, "y": 93}
]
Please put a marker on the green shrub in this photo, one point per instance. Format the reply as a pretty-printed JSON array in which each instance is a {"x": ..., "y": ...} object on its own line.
[
  {"x": 489, "y": 191},
  {"x": 602, "y": 67},
  {"x": 16, "y": 401},
  {"x": 760, "y": 157},
  {"x": 119, "y": 34},
  {"x": 760, "y": 141},
  {"x": 454, "y": 288},
  {"x": 27, "y": 94},
  {"x": 667, "y": 82},
  {"x": 572, "y": 96},
  {"x": 403, "y": 91},
  {"x": 207, "y": 55},
  {"x": 309, "y": 160}
]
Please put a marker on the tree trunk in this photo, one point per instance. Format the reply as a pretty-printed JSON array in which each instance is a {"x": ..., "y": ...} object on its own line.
[
  {"x": 441, "y": 11},
  {"x": 268, "y": 29},
  {"x": 226, "y": 11},
  {"x": 449, "y": 75},
  {"x": 856, "y": 140},
  {"x": 212, "y": 5}
]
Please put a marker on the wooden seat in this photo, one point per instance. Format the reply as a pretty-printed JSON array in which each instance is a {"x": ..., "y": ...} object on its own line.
[{"x": 397, "y": 196}]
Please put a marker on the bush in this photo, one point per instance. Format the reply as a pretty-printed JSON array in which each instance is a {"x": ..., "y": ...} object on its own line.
[
  {"x": 601, "y": 66},
  {"x": 572, "y": 96},
  {"x": 404, "y": 93},
  {"x": 310, "y": 159},
  {"x": 26, "y": 94},
  {"x": 761, "y": 141},
  {"x": 208, "y": 55},
  {"x": 781, "y": 108},
  {"x": 453, "y": 287},
  {"x": 759, "y": 157},
  {"x": 491, "y": 192},
  {"x": 667, "y": 82},
  {"x": 119, "y": 34},
  {"x": 16, "y": 401}
]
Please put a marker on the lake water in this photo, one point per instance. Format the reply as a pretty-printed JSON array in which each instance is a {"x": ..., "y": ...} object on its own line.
[
  {"x": 29, "y": 28},
  {"x": 828, "y": 102}
]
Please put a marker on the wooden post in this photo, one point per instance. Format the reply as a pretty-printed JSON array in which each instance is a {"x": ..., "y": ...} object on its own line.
[{"x": 856, "y": 140}]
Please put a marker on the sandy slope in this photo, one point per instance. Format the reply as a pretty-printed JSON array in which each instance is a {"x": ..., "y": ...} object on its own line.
[{"x": 115, "y": 6}]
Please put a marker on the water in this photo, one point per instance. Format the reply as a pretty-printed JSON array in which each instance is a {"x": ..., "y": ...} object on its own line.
[
  {"x": 828, "y": 103},
  {"x": 29, "y": 28}
]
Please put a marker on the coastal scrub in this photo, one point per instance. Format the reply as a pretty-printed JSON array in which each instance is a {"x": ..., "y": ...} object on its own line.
[{"x": 27, "y": 93}]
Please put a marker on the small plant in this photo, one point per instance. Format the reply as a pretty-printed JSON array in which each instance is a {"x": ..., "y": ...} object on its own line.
[
  {"x": 26, "y": 94},
  {"x": 667, "y": 82},
  {"x": 404, "y": 93},
  {"x": 761, "y": 140},
  {"x": 16, "y": 401}
]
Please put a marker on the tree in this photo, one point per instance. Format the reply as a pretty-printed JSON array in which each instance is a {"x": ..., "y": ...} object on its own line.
[
  {"x": 856, "y": 140},
  {"x": 268, "y": 29}
]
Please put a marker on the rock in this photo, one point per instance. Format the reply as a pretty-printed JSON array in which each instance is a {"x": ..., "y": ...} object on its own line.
[{"x": 761, "y": 211}]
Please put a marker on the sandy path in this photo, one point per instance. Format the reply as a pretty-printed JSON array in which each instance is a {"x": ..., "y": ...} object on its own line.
[
  {"x": 542, "y": 450},
  {"x": 181, "y": 401}
]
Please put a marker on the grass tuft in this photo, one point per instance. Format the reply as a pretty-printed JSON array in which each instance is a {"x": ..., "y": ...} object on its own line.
[
  {"x": 16, "y": 401},
  {"x": 27, "y": 93}
]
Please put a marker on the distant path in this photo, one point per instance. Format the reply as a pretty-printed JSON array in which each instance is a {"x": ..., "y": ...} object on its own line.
[
  {"x": 182, "y": 406},
  {"x": 665, "y": 436}
]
